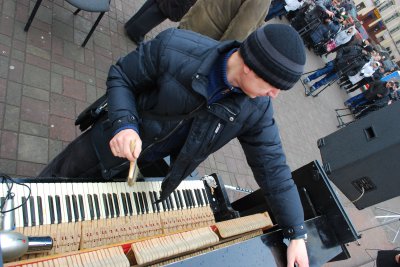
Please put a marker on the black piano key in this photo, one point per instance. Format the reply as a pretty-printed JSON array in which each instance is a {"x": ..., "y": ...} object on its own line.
[
  {"x": 190, "y": 197},
  {"x": 146, "y": 203},
  {"x": 69, "y": 209},
  {"x": 153, "y": 205},
  {"x": 178, "y": 206},
  {"x": 171, "y": 202},
  {"x": 58, "y": 209},
  {"x": 129, "y": 200},
  {"x": 155, "y": 199},
  {"x": 164, "y": 205},
  {"x": 194, "y": 199},
  {"x": 188, "y": 192},
  {"x": 168, "y": 202},
  {"x": 116, "y": 204},
  {"x": 25, "y": 212},
  {"x": 198, "y": 193},
  {"x": 81, "y": 207},
  {"x": 180, "y": 198},
  {"x": 110, "y": 203},
  {"x": 97, "y": 205},
  {"x": 205, "y": 195},
  {"x": 136, "y": 200},
  {"x": 124, "y": 205},
  {"x": 91, "y": 208},
  {"x": 40, "y": 210},
  {"x": 106, "y": 210},
  {"x": 51, "y": 208},
  {"x": 140, "y": 198},
  {"x": 32, "y": 208},
  {"x": 185, "y": 198},
  {"x": 75, "y": 207},
  {"x": 2, "y": 200}
]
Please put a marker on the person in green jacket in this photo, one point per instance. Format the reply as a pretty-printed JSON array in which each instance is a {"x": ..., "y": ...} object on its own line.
[{"x": 225, "y": 19}]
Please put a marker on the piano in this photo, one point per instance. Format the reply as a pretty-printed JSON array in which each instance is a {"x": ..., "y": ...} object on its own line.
[{"x": 108, "y": 221}]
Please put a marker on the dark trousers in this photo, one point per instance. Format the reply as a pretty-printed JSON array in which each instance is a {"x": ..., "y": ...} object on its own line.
[
  {"x": 147, "y": 17},
  {"x": 78, "y": 159}
]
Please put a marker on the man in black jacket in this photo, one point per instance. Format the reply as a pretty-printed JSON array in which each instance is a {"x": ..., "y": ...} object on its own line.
[
  {"x": 186, "y": 95},
  {"x": 349, "y": 60}
]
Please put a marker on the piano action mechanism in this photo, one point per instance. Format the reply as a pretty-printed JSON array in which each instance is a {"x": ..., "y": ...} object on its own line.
[{"x": 110, "y": 224}]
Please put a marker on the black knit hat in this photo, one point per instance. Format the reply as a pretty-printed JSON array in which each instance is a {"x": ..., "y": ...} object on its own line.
[{"x": 275, "y": 53}]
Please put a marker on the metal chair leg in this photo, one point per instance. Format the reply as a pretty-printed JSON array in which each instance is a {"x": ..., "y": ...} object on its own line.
[
  {"x": 93, "y": 28},
  {"x": 30, "y": 19}
]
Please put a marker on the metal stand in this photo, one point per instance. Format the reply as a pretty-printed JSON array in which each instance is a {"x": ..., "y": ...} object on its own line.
[
  {"x": 394, "y": 216},
  {"x": 339, "y": 117}
]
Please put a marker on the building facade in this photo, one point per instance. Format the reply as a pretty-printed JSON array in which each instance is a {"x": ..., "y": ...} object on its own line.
[{"x": 381, "y": 20}]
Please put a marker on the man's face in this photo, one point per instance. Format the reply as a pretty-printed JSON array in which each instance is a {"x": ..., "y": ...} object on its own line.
[{"x": 253, "y": 86}]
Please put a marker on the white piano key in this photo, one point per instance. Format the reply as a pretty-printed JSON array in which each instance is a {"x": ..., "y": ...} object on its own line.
[
  {"x": 77, "y": 190},
  {"x": 128, "y": 191},
  {"x": 53, "y": 193},
  {"x": 98, "y": 193},
  {"x": 18, "y": 191},
  {"x": 62, "y": 187},
  {"x": 86, "y": 190},
  {"x": 43, "y": 192},
  {"x": 124, "y": 202},
  {"x": 116, "y": 196}
]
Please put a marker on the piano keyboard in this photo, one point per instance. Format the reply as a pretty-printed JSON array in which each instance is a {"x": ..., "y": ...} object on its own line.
[{"x": 86, "y": 215}]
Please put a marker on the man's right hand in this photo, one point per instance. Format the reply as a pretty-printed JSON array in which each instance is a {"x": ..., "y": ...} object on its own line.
[{"x": 120, "y": 144}]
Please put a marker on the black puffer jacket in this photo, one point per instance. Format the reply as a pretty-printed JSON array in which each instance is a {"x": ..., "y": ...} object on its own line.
[
  {"x": 168, "y": 76},
  {"x": 350, "y": 60},
  {"x": 175, "y": 9}
]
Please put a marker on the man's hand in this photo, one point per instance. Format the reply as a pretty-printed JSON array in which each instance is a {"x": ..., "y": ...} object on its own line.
[
  {"x": 120, "y": 144},
  {"x": 297, "y": 253}
]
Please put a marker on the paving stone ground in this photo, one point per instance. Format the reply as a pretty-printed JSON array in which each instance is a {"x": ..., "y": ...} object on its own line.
[{"x": 47, "y": 79}]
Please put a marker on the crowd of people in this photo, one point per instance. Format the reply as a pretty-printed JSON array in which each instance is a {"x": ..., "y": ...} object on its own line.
[{"x": 327, "y": 27}]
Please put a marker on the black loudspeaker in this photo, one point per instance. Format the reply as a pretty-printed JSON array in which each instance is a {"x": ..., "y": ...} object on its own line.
[{"x": 363, "y": 158}]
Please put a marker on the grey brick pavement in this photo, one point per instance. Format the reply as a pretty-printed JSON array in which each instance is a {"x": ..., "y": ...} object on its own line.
[{"x": 46, "y": 79}]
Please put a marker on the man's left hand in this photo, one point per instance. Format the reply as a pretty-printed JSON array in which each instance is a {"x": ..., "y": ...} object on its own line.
[{"x": 297, "y": 253}]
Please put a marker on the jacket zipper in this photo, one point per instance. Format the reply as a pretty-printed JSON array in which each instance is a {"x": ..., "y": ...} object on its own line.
[
  {"x": 216, "y": 131},
  {"x": 224, "y": 107}
]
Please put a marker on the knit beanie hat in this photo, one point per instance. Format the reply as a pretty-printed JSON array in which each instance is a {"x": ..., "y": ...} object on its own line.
[{"x": 276, "y": 54}]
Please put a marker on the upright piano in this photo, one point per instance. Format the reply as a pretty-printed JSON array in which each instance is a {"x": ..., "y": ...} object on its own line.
[{"x": 95, "y": 222}]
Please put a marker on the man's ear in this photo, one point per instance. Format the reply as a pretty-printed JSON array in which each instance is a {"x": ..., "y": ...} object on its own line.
[{"x": 246, "y": 69}]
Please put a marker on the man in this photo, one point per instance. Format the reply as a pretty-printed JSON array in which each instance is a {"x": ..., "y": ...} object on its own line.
[
  {"x": 377, "y": 90},
  {"x": 225, "y": 19},
  {"x": 186, "y": 95},
  {"x": 153, "y": 13},
  {"x": 348, "y": 61}
]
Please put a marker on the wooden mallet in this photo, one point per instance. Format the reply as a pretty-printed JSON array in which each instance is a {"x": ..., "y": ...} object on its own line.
[{"x": 133, "y": 173}]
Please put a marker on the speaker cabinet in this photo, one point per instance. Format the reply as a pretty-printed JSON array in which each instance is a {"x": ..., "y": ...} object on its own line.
[{"x": 363, "y": 158}]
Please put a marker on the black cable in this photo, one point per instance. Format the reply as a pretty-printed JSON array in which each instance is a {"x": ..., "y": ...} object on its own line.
[{"x": 10, "y": 184}]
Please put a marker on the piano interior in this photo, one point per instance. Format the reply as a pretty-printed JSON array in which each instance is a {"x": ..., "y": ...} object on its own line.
[{"x": 108, "y": 223}]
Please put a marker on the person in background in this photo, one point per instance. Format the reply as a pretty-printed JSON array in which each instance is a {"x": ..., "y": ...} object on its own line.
[
  {"x": 348, "y": 61},
  {"x": 282, "y": 7},
  {"x": 225, "y": 19},
  {"x": 377, "y": 90},
  {"x": 152, "y": 13},
  {"x": 185, "y": 95}
]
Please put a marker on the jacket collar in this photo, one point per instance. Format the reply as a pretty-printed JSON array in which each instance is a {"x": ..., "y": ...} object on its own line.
[{"x": 199, "y": 79}]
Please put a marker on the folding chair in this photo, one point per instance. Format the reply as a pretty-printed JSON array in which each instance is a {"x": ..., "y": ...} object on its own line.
[{"x": 101, "y": 6}]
